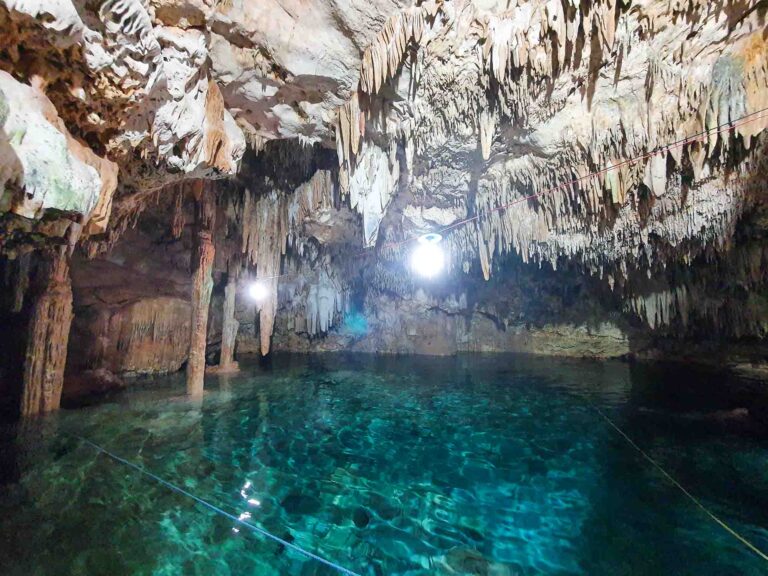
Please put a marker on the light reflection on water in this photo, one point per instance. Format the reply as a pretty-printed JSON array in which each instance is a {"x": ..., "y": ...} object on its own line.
[{"x": 471, "y": 465}]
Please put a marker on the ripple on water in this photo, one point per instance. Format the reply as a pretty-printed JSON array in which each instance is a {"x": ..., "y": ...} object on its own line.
[{"x": 476, "y": 465}]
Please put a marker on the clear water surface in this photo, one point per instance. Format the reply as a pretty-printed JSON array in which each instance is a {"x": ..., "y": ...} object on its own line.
[{"x": 471, "y": 465}]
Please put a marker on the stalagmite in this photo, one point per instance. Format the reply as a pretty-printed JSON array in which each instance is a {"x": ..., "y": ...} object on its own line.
[
  {"x": 21, "y": 281},
  {"x": 47, "y": 339},
  {"x": 202, "y": 265},
  {"x": 229, "y": 328}
]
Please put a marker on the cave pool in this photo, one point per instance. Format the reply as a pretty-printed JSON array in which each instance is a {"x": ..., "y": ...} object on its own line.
[{"x": 494, "y": 465}]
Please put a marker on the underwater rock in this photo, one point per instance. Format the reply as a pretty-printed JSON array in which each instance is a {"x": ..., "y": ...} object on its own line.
[
  {"x": 536, "y": 467},
  {"x": 90, "y": 384},
  {"x": 360, "y": 517},
  {"x": 467, "y": 561},
  {"x": 300, "y": 504}
]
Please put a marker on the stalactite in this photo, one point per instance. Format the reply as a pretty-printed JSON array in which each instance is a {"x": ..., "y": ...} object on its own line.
[
  {"x": 383, "y": 57},
  {"x": 318, "y": 193},
  {"x": 659, "y": 308},
  {"x": 316, "y": 295},
  {"x": 371, "y": 188},
  {"x": 736, "y": 276},
  {"x": 48, "y": 336},
  {"x": 487, "y": 128},
  {"x": 381, "y": 62},
  {"x": 265, "y": 233},
  {"x": 325, "y": 300},
  {"x": 177, "y": 224},
  {"x": 269, "y": 223},
  {"x": 523, "y": 52}
]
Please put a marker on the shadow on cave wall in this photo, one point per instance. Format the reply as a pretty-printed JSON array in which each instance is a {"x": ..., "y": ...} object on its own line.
[{"x": 12, "y": 341}]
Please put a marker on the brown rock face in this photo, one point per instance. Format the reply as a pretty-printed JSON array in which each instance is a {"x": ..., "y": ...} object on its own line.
[
  {"x": 201, "y": 300},
  {"x": 132, "y": 305},
  {"x": 46, "y": 354},
  {"x": 146, "y": 336}
]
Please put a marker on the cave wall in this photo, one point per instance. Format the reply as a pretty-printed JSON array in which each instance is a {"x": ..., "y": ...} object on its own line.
[
  {"x": 132, "y": 308},
  {"x": 132, "y": 302},
  {"x": 598, "y": 170},
  {"x": 529, "y": 311}
]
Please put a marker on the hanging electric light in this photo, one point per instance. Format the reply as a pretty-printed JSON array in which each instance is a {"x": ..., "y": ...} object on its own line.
[
  {"x": 258, "y": 291},
  {"x": 427, "y": 259}
]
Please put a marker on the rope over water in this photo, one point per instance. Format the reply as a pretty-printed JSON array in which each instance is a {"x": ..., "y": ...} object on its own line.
[
  {"x": 693, "y": 498},
  {"x": 218, "y": 510}
]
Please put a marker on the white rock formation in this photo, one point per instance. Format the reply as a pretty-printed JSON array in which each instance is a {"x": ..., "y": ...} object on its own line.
[
  {"x": 371, "y": 188},
  {"x": 623, "y": 137},
  {"x": 146, "y": 86},
  {"x": 42, "y": 167}
]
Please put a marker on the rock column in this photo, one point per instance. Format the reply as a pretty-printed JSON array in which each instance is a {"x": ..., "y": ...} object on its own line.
[
  {"x": 202, "y": 266},
  {"x": 47, "y": 339}
]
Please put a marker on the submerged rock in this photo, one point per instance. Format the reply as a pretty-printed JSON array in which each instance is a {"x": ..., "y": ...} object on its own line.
[
  {"x": 300, "y": 504},
  {"x": 470, "y": 562},
  {"x": 361, "y": 517}
]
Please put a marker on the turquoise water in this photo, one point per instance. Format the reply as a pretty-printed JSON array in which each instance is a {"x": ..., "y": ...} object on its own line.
[{"x": 471, "y": 465}]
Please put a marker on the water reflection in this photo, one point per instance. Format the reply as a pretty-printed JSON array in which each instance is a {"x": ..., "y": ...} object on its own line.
[{"x": 473, "y": 465}]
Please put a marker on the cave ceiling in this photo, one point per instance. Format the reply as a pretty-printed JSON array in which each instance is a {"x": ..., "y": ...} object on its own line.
[{"x": 364, "y": 123}]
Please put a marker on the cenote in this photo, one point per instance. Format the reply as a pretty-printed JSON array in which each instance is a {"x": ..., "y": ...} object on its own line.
[
  {"x": 390, "y": 465},
  {"x": 383, "y": 287}
]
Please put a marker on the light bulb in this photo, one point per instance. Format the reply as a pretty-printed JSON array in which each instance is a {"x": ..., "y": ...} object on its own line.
[
  {"x": 258, "y": 291},
  {"x": 427, "y": 259}
]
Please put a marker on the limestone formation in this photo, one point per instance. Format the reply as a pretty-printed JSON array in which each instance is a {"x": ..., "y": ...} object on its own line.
[
  {"x": 148, "y": 336},
  {"x": 202, "y": 285},
  {"x": 229, "y": 328},
  {"x": 596, "y": 170},
  {"x": 47, "y": 339},
  {"x": 43, "y": 167},
  {"x": 145, "y": 86}
]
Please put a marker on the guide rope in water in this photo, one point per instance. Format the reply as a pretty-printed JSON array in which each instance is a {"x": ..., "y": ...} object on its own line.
[
  {"x": 752, "y": 547},
  {"x": 219, "y": 511},
  {"x": 674, "y": 482}
]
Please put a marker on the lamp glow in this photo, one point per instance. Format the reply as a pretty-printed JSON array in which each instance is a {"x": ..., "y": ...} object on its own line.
[
  {"x": 258, "y": 291},
  {"x": 427, "y": 258}
]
